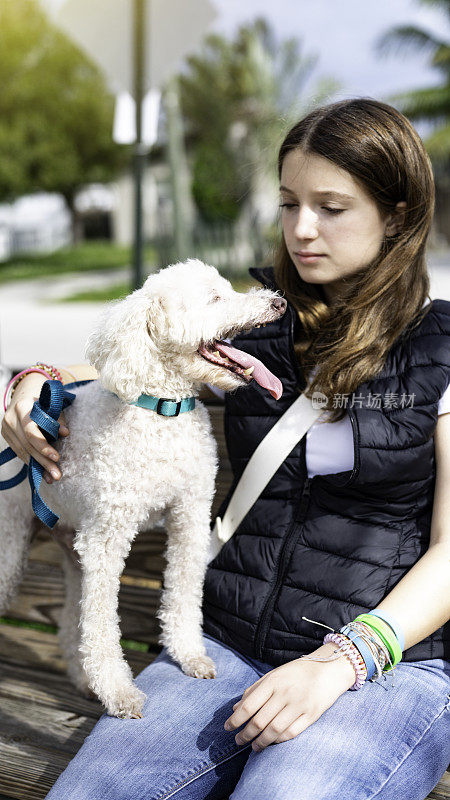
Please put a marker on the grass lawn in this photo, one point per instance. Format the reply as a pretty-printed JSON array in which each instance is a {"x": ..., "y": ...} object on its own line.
[
  {"x": 120, "y": 290},
  {"x": 115, "y": 292},
  {"x": 85, "y": 257},
  {"x": 90, "y": 257}
]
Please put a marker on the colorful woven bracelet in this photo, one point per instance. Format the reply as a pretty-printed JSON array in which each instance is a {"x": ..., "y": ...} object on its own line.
[
  {"x": 378, "y": 650},
  {"x": 384, "y": 631},
  {"x": 353, "y": 655}
]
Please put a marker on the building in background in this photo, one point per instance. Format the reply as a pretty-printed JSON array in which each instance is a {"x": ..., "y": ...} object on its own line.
[{"x": 36, "y": 223}]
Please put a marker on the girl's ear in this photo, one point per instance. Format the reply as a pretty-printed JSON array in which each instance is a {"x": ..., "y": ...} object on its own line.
[
  {"x": 396, "y": 221},
  {"x": 121, "y": 346}
]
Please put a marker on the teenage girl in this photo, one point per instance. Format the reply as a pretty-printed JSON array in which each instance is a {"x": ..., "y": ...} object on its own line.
[{"x": 350, "y": 540}]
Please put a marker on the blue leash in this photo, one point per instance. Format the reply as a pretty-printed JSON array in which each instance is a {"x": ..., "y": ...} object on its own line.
[{"x": 53, "y": 399}]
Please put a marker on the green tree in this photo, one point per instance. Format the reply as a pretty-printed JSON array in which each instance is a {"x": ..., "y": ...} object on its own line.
[
  {"x": 237, "y": 97},
  {"x": 55, "y": 111},
  {"x": 432, "y": 103}
]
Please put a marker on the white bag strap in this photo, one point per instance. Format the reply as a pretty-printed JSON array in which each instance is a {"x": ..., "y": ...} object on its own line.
[{"x": 264, "y": 462}]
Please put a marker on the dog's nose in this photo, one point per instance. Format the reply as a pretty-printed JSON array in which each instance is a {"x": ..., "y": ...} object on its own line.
[{"x": 279, "y": 304}]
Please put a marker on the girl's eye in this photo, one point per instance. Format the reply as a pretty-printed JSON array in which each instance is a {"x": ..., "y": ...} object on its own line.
[{"x": 325, "y": 208}]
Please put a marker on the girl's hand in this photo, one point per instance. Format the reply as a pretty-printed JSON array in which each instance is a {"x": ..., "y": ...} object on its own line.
[
  {"x": 286, "y": 700},
  {"x": 23, "y": 435}
]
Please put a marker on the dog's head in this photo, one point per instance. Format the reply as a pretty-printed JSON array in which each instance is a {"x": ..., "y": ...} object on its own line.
[{"x": 167, "y": 337}]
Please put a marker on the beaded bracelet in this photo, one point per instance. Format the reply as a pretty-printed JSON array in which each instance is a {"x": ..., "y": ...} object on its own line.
[
  {"x": 50, "y": 372},
  {"x": 54, "y": 372},
  {"x": 338, "y": 653},
  {"x": 16, "y": 380}
]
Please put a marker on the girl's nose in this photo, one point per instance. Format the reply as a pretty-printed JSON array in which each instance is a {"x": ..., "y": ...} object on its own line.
[{"x": 306, "y": 225}]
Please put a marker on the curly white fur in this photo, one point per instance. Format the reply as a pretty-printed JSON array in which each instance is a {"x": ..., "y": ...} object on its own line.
[{"x": 123, "y": 467}]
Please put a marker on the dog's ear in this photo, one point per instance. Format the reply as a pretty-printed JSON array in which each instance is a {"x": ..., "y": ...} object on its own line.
[
  {"x": 157, "y": 320},
  {"x": 122, "y": 348}
]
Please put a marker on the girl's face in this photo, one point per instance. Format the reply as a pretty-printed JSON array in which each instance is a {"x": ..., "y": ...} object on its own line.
[{"x": 331, "y": 226}]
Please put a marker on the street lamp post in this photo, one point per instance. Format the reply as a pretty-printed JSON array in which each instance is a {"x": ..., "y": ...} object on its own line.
[
  {"x": 140, "y": 150},
  {"x": 142, "y": 36}
]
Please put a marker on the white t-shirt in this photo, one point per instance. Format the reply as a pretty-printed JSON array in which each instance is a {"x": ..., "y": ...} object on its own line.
[{"x": 329, "y": 445}]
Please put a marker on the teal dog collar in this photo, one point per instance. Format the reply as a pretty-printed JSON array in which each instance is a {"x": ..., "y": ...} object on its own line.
[{"x": 163, "y": 406}]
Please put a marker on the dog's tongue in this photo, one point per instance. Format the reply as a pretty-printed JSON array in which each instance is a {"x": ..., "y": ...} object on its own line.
[{"x": 261, "y": 374}]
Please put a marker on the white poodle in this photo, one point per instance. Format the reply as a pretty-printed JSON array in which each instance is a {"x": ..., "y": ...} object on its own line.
[{"x": 124, "y": 466}]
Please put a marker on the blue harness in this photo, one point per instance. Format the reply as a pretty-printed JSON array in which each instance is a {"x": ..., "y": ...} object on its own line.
[{"x": 53, "y": 399}]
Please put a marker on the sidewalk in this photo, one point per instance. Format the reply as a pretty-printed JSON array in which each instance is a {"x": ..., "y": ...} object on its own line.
[
  {"x": 35, "y": 328},
  {"x": 32, "y": 329}
]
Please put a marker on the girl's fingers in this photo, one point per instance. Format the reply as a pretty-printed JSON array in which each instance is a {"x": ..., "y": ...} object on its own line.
[
  {"x": 17, "y": 446},
  {"x": 63, "y": 429},
  {"x": 25, "y": 438},
  {"x": 20, "y": 451},
  {"x": 36, "y": 445}
]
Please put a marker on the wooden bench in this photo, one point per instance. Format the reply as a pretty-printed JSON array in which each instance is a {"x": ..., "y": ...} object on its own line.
[{"x": 43, "y": 719}]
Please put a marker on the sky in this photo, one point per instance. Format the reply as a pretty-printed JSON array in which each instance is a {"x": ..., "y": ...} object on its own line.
[{"x": 342, "y": 33}]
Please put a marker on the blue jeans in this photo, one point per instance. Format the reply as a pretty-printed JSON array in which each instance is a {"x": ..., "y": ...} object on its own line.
[{"x": 379, "y": 742}]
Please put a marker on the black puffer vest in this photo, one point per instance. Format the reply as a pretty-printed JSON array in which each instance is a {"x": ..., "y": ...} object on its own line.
[{"x": 333, "y": 546}]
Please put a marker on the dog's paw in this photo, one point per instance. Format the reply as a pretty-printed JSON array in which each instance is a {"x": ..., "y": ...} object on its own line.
[
  {"x": 127, "y": 703},
  {"x": 199, "y": 667}
]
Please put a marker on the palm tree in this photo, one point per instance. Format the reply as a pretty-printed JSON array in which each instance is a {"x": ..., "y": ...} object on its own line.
[
  {"x": 430, "y": 104},
  {"x": 236, "y": 97}
]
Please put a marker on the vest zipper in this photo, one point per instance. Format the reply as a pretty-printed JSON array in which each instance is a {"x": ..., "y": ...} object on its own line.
[
  {"x": 300, "y": 513},
  {"x": 355, "y": 446},
  {"x": 285, "y": 554}
]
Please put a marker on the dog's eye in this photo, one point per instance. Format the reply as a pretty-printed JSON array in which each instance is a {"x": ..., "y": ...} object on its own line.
[{"x": 215, "y": 299}]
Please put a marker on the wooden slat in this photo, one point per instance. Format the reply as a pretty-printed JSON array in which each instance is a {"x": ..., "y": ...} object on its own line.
[
  {"x": 29, "y": 771},
  {"x": 442, "y": 790},
  {"x": 43, "y": 718},
  {"x": 42, "y": 594},
  {"x": 24, "y": 647}
]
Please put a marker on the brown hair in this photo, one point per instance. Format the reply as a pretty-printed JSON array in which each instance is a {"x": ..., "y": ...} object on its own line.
[{"x": 350, "y": 339}]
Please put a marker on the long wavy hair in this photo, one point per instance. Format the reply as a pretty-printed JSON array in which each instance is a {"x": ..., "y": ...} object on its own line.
[{"x": 348, "y": 340}]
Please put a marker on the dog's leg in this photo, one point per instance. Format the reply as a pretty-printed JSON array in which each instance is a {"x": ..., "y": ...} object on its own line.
[
  {"x": 188, "y": 532},
  {"x": 15, "y": 536},
  {"x": 69, "y": 634},
  {"x": 102, "y": 549}
]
